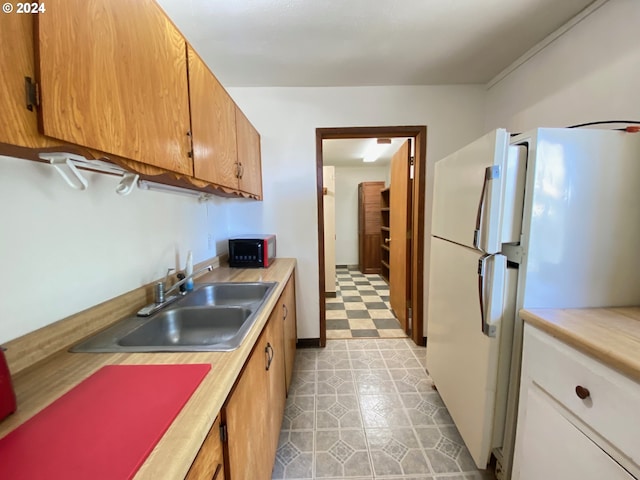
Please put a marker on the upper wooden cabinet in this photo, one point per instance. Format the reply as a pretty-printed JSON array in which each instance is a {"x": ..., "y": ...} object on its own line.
[
  {"x": 249, "y": 162},
  {"x": 226, "y": 147},
  {"x": 112, "y": 77},
  {"x": 116, "y": 79},
  {"x": 213, "y": 122}
]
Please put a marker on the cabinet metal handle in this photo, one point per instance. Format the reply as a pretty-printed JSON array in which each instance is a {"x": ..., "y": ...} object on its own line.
[
  {"x": 286, "y": 311},
  {"x": 241, "y": 171},
  {"x": 237, "y": 169},
  {"x": 269, "y": 351},
  {"x": 582, "y": 392},
  {"x": 218, "y": 470}
]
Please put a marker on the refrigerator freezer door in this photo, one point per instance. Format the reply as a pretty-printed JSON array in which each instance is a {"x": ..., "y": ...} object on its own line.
[
  {"x": 467, "y": 198},
  {"x": 461, "y": 359}
]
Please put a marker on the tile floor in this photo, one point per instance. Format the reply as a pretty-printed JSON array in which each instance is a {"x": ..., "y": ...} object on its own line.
[
  {"x": 361, "y": 307},
  {"x": 364, "y": 409}
]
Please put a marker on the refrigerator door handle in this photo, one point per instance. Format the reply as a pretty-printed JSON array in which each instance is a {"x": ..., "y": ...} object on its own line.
[
  {"x": 490, "y": 173},
  {"x": 488, "y": 329}
]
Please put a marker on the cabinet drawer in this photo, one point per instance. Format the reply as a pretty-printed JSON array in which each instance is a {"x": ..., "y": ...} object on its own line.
[{"x": 612, "y": 407}]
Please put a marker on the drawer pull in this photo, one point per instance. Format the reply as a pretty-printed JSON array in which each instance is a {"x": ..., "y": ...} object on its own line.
[{"x": 582, "y": 392}]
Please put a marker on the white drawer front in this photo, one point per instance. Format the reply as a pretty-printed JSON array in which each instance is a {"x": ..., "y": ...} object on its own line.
[{"x": 612, "y": 408}]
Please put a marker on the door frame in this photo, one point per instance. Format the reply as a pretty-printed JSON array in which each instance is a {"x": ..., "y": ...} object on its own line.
[{"x": 419, "y": 134}]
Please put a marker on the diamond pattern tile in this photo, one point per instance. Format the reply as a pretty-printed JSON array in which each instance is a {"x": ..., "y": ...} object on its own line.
[{"x": 361, "y": 409}]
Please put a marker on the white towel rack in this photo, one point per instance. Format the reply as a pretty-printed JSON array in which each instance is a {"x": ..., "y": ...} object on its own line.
[{"x": 67, "y": 164}]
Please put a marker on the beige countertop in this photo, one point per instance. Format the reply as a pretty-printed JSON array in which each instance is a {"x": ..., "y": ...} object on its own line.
[
  {"x": 40, "y": 385},
  {"x": 611, "y": 335}
]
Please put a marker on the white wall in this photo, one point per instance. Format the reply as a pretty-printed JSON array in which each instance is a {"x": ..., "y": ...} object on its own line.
[
  {"x": 347, "y": 180},
  {"x": 63, "y": 250},
  {"x": 287, "y": 119},
  {"x": 590, "y": 73}
]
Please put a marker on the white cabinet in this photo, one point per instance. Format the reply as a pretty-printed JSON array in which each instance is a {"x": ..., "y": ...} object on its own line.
[{"x": 562, "y": 435}]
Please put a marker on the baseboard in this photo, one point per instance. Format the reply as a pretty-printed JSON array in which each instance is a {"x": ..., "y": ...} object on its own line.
[{"x": 308, "y": 343}]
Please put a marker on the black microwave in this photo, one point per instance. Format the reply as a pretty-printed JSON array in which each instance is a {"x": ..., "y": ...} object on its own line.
[{"x": 252, "y": 251}]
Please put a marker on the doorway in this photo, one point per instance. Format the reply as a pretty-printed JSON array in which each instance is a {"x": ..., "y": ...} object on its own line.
[{"x": 413, "y": 308}]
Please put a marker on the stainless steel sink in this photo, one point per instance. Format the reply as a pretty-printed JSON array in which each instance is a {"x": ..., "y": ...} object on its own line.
[
  {"x": 214, "y": 317},
  {"x": 189, "y": 326}
]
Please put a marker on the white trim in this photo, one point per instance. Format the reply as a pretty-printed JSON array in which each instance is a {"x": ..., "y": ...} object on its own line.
[{"x": 548, "y": 40}]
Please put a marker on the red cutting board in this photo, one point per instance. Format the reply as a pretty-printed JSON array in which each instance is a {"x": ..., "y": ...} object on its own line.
[{"x": 102, "y": 429}]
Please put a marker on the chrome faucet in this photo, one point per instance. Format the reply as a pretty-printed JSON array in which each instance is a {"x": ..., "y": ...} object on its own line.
[
  {"x": 186, "y": 279},
  {"x": 161, "y": 299}
]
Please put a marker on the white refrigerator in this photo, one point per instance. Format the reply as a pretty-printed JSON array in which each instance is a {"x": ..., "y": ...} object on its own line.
[{"x": 549, "y": 218}]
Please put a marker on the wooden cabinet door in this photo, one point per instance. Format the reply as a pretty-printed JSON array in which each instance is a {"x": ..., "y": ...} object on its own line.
[
  {"x": 18, "y": 125},
  {"x": 113, "y": 77},
  {"x": 290, "y": 327},
  {"x": 249, "y": 161},
  {"x": 213, "y": 124},
  {"x": 248, "y": 419},
  {"x": 209, "y": 464},
  {"x": 276, "y": 374},
  {"x": 255, "y": 408}
]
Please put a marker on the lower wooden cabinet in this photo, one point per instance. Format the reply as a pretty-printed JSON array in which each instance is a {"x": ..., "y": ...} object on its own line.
[
  {"x": 209, "y": 463},
  {"x": 254, "y": 410},
  {"x": 251, "y": 417}
]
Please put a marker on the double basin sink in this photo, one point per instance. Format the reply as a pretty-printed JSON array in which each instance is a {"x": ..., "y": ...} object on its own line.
[{"x": 214, "y": 317}]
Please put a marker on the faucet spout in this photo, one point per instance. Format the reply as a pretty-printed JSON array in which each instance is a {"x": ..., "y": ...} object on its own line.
[
  {"x": 186, "y": 279},
  {"x": 161, "y": 296}
]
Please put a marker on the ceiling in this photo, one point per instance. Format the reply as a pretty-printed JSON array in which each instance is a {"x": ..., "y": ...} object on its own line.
[
  {"x": 364, "y": 42},
  {"x": 349, "y": 152}
]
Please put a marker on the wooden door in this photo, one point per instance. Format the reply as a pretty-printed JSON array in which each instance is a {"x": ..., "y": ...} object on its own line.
[
  {"x": 329, "y": 201},
  {"x": 213, "y": 123},
  {"x": 249, "y": 163},
  {"x": 113, "y": 77},
  {"x": 290, "y": 327},
  {"x": 399, "y": 243},
  {"x": 248, "y": 419}
]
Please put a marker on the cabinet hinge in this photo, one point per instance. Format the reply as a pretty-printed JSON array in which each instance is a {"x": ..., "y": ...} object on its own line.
[
  {"x": 190, "y": 145},
  {"x": 412, "y": 167},
  {"x": 224, "y": 437},
  {"x": 32, "y": 93}
]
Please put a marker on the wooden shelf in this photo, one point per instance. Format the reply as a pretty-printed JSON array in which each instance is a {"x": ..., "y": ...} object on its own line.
[{"x": 385, "y": 232}]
